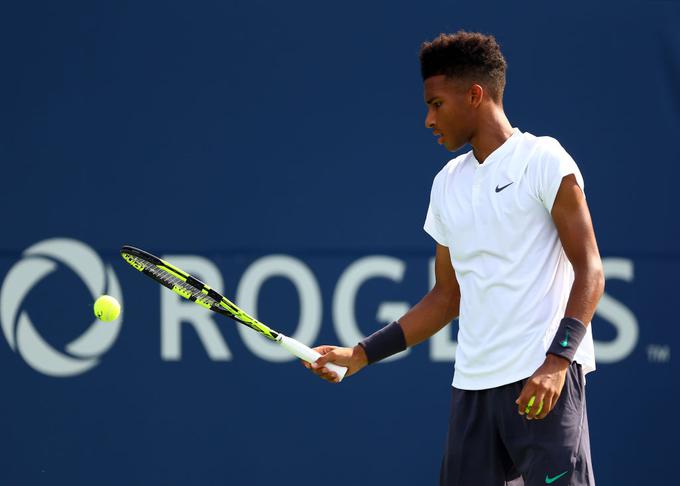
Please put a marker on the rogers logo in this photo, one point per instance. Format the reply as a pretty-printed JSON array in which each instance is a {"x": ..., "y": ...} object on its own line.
[{"x": 39, "y": 260}]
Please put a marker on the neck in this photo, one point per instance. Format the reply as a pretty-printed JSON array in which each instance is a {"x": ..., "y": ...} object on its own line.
[{"x": 493, "y": 131}]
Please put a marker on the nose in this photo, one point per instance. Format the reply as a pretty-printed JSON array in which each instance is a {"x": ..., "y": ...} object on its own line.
[{"x": 429, "y": 118}]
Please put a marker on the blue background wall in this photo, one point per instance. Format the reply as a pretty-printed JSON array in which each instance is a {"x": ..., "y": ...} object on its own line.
[{"x": 233, "y": 131}]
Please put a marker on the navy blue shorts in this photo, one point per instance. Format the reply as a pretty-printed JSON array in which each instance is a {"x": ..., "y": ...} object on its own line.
[{"x": 490, "y": 444}]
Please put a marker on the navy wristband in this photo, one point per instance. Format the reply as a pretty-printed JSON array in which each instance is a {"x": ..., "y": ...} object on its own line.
[
  {"x": 569, "y": 336},
  {"x": 383, "y": 343}
]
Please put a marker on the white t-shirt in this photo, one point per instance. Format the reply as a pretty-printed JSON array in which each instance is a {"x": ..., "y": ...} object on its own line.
[{"x": 514, "y": 276}]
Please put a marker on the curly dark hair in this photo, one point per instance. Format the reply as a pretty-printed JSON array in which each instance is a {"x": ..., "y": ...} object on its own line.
[{"x": 468, "y": 55}]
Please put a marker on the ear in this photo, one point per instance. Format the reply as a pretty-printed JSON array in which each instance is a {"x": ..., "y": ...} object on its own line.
[{"x": 476, "y": 95}]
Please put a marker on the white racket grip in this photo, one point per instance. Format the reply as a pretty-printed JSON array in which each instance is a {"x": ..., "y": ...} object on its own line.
[{"x": 308, "y": 354}]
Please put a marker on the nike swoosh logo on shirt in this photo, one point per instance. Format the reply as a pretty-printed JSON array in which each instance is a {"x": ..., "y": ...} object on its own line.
[{"x": 499, "y": 189}]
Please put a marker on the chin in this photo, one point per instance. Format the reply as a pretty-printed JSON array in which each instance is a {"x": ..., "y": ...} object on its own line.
[{"x": 452, "y": 147}]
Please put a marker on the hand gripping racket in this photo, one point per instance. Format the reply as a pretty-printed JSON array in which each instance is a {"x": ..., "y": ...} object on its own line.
[{"x": 196, "y": 291}]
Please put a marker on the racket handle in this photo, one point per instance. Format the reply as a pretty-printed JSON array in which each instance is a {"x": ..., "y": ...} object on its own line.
[{"x": 308, "y": 354}]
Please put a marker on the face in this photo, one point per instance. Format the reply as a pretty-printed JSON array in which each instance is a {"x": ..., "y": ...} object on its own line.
[{"x": 451, "y": 110}]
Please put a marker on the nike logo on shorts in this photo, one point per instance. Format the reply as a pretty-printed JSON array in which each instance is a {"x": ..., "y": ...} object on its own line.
[{"x": 549, "y": 480}]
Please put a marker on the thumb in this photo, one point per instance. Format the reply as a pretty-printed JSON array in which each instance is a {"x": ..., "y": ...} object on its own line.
[{"x": 328, "y": 355}]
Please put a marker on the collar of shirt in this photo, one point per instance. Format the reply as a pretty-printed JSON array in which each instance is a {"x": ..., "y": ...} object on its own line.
[{"x": 500, "y": 152}]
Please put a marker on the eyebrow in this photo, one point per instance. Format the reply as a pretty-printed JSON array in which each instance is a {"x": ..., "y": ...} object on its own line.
[{"x": 431, "y": 100}]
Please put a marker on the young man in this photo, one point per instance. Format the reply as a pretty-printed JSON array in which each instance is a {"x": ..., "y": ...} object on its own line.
[{"x": 517, "y": 263}]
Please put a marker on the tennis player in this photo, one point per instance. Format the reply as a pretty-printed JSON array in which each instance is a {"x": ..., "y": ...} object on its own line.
[{"x": 517, "y": 263}]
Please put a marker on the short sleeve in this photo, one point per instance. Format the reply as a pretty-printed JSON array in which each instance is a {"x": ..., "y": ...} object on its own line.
[
  {"x": 554, "y": 165},
  {"x": 434, "y": 224}
]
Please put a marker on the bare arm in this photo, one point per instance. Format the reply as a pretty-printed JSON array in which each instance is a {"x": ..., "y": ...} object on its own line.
[
  {"x": 423, "y": 320},
  {"x": 572, "y": 219},
  {"x": 575, "y": 228},
  {"x": 439, "y": 306}
]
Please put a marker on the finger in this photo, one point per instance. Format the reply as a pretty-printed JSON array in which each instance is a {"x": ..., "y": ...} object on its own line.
[
  {"x": 332, "y": 377},
  {"x": 537, "y": 406},
  {"x": 547, "y": 407},
  {"x": 323, "y": 359},
  {"x": 305, "y": 364},
  {"x": 320, "y": 372},
  {"x": 524, "y": 397},
  {"x": 324, "y": 349},
  {"x": 328, "y": 375},
  {"x": 527, "y": 409}
]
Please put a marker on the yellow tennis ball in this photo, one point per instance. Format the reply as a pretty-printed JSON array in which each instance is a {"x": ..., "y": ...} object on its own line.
[
  {"x": 531, "y": 404},
  {"x": 106, "y": 308}
]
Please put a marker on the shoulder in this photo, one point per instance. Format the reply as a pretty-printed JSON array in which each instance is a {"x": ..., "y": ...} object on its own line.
[
  {"x": 543, "y": 149},
  {"x": 547, "y": 165},
  {"x": 450, "y": 169},
  {"x": 445, "y": 177}
]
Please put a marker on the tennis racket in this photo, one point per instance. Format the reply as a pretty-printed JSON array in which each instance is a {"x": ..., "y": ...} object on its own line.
[{"x": 196, "y": 291}]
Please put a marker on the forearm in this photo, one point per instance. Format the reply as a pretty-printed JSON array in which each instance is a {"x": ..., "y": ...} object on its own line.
[
  {"x": 434, "y": 311},
  {"x": 586, "y": 291}
]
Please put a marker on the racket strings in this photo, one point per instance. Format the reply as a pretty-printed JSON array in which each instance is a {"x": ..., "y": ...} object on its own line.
[
  {"x": 171, "y": 281},
  {"x": 208, "y": 298},
  {"x": 195, "y": 293}
]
